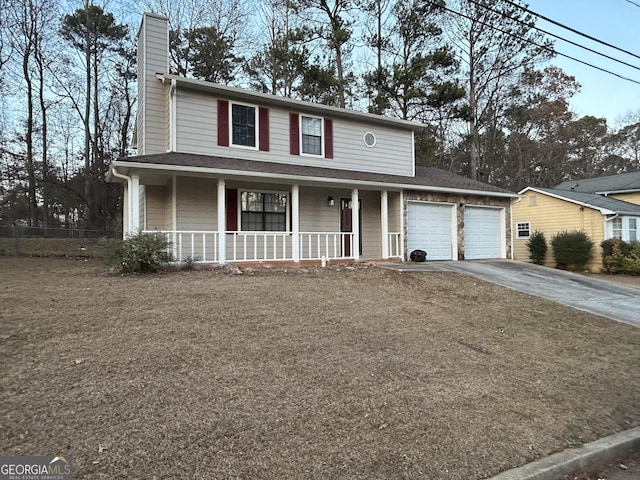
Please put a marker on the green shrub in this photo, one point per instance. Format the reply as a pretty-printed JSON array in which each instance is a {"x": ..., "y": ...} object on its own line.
[
  {"x": 537, "y": 245},
  {"x": 621, "y": 257},
  {"x": 139, "y": 253},
  {"x": 572, "y": 250}
]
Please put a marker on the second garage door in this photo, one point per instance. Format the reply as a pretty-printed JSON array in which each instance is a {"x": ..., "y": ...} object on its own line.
[
  {"x": 430, "y": 228},
  {"x": 483, "y": 236}
]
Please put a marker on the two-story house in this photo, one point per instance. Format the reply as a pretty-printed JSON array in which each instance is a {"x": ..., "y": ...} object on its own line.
[{"x": 233, "y": 175}]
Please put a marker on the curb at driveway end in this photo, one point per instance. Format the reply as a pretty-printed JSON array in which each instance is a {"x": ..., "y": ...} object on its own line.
[{"x": 590, "y": 455}]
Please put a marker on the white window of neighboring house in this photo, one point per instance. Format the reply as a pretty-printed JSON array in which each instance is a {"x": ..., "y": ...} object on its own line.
[
  {"x": 633, "y": 229},
  {"x": 311, "y": 135},
  {"x": 244, "y": 123},
  {"x": 263, "y": 211},
  {"x": 616, "y": 227},
  {"x": 523, "y": 229}
]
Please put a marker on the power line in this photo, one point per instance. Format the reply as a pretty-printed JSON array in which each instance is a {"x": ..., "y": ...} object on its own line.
[
  {"x": 556, "y": 36},
  {"x": 549, "y": 49},
  {"x": 634, "y": 3},
  {"x": 550, "y": 20}
]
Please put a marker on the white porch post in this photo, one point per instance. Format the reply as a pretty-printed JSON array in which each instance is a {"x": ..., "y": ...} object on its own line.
[
  {"x": 135, "y": 203},
  {"x": 402, "y": 210},
  {"x": 295, "y": 222},
  {"x": 384, "y": 224},
  {"x": 222, "y": 222},
  {"x": 355, "y": 223}
]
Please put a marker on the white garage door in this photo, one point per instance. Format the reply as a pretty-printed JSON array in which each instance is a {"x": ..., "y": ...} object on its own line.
[
  {"x": 482, "y": 233},
  {"x": 429, "y": 228}
]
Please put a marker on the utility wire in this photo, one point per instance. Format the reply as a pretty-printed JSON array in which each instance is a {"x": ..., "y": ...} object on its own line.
[
  {"x": 634, "y": 3},
  {"x": 551, "y": 50},
  {"x": 550, "y": 20},
  {"x": 555, "y": 36}
]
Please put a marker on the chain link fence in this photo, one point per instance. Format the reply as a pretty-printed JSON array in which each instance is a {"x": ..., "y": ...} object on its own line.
[{"x": 20, "y": 239}]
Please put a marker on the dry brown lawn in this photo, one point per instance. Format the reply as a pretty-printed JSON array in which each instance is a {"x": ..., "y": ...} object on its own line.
[{"x": 314, "y": 374}]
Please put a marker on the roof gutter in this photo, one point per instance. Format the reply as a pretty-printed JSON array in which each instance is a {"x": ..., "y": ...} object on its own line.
[
  {"x": 307, "y": 179},
  {"x": 115, "y": 173}
]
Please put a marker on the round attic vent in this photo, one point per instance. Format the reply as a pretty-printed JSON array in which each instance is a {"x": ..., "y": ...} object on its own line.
[{"x": 369, "y": 139}]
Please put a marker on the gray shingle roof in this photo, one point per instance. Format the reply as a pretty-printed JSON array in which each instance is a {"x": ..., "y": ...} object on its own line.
[
  {"x": 425, "y": 176},
  {"x": 595, "y": 201},
  {"x": 629, "y": 181}
]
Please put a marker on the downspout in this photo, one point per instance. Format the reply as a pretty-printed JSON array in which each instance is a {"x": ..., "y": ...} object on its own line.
[{"x": 115, "y": 173}]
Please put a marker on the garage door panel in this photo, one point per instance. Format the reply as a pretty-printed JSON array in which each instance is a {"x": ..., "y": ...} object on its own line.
[
  {"x": 429, "y": 228},
  {"x": 482, "y": 233}
]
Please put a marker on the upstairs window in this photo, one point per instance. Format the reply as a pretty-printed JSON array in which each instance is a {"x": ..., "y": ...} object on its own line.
[
  {"x": 311, "y": 135},
  {"x": 523, "y": 229},
  {"x": 263, "y": 212},
  {"x": 243, "y": 125}
]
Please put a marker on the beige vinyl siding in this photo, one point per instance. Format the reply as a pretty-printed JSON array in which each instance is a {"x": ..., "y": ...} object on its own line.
[
  {"x": 395, "y": 212},
  {"x": 140, "y": 117},
  {"x": 628, "y": 197},
  {"x": 168, "y": 206},
  {"x": 196, "y": 120},
  {"x": 156, "y": 216},
  {"x": 315, "y": 214},
  {"x": 142, "y": 208},
  {"x": 196, "y": 204},
  {"x": 552, "y": 215},
  {"x": 154, "y": 105},
  {"x": 371, "y": 230}
]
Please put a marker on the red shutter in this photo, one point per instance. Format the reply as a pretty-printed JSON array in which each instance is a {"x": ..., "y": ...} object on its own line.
[
  {"x": 294, "y": 134},
  {"x": 328, "y": 138},
  {"x": 223, "y": 123},
  {"x": 232, "y": 209},
  {"x": 263, "y": 119}
]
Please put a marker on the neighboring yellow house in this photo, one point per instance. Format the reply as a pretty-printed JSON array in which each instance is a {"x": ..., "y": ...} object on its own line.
[{"x": 555, "y": 210}]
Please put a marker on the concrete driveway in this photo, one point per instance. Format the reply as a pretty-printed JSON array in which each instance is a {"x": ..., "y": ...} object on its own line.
[{"x": 585, "y": 293}]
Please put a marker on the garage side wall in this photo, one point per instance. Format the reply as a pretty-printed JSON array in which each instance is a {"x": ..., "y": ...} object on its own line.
[{"x": 461, "y": 201}]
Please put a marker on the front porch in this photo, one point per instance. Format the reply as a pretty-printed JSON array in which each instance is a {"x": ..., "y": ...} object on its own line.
[{"x": 221, "y": 220}]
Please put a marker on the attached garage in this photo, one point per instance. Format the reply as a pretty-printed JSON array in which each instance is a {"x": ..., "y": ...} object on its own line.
[
  {"x": 430, "y": 227},
  {"x": 483, "y": 233}
]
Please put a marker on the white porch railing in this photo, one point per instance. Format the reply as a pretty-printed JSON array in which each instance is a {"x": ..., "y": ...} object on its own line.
[
  {"x": 395, "y": 244},
  {"x": 196, "y": 245},
  {"x": 201, "y": 246}
]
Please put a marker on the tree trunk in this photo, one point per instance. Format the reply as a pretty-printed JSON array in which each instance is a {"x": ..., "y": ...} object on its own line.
[{"x": 31, "y": 175}]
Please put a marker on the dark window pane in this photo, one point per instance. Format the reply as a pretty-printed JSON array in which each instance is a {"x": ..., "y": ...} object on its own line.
[
  {"x": 312, "y": 135},
  {"x": 264, "y": 211},
  {"x": 243, "y": 125}
]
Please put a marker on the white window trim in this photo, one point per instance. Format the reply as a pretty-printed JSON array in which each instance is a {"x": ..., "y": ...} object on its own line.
[
  {"x": 520, "y": 237},
  {"x": 257, "y": 126},
  {"x": 287, "y": 212},
  {"x": 315, "y": 155},
  {"x": 636, "y": 230}
]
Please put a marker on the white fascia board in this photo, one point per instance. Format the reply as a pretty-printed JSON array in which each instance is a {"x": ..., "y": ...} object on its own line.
[
  {"x": 308, "y": 179},
  {"x": 617, "y": 192},
  {"x": 603, "y": 211}
]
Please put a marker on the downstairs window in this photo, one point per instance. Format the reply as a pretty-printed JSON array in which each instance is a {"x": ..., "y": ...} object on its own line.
[{"x": 263, "y": 212}]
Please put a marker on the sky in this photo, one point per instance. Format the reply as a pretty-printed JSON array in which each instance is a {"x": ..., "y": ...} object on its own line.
[{"x": 616, "y": 22}]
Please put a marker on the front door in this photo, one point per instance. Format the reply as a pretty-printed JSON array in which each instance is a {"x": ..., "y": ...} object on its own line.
[{"x": 346, "y": 226}]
